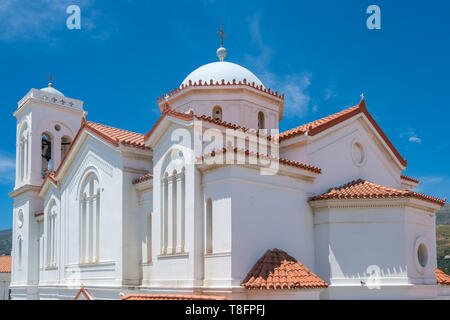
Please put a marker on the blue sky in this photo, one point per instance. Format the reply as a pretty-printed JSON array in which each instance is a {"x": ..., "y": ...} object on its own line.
[{"x": 319, "y": 53}]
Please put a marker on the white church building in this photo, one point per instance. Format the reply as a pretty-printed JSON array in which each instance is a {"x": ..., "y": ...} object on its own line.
[{"x": 204, "y": 204}]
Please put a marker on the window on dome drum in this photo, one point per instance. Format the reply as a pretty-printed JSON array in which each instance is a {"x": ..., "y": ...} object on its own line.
[
  {"x": 209, "y": 225},
  {"x": 46, "y": 153},
  {"x": 65, "y": 145},
  {"x": 23, "y": 152},
  {"x": 261, "y": 120},
  {"x": 217, "y": 113},
  {"x": 90, "y": 220}
]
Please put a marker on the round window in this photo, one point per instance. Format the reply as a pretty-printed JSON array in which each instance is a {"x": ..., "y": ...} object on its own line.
[
  {"x": 57, "y": 127},
  {"x": 358, "y": 154},
  {"x": 422, "y": 255},
  {"x": 20, "y": 219}
]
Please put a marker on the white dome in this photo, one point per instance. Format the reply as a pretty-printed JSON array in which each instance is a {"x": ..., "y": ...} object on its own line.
[
  {"x": 222, "y": 70},
  {"x": 52, "y": 91}
]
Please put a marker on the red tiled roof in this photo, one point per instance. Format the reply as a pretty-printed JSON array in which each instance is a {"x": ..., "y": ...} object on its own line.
[
  {"x": 362, "y": 189},
  {"x": 143, "y": 178},
  {"x": 409, "y": 179},
  {"x": 277, "y": 270},
  {"x": 258, "y": 155},
  {"x": 5, "y": 264},
  {"x": 323, "y": 124},
  {"x": 170, "y": 297},
  {"x": 38, "y": 214},
  {"x": 442, "y": 278}
]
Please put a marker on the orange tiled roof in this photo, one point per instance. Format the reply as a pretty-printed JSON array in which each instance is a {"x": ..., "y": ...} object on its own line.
[
  {"x": 277, "y": 270},
  {"x": 258, "y": 155},
  {"x": 362, "y": 189},
  {"x": 323, "y": 124},
  {"x": 170, "y": 297},
  {"x": 143, "y": 178},
  {"x": 409, "y": 178},
  {"x": 5, "y": 264},
  {"x": 442, "y": 278}
]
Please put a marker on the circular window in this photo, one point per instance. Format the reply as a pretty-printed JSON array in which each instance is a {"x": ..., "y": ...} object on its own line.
[
  {"x": 20, "y": 219},
  {"x": 57, "y": 127},
  {"x": 422, "y": 255},
  {"x": 358, "y": 154}
]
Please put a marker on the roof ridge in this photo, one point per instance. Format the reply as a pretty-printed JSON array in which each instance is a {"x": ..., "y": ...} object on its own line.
[{"x": 108, "y": 126}]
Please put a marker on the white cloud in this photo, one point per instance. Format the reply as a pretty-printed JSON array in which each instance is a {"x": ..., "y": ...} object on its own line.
[
  {"x": 415, "y": 139},
  {"x": 411, "y": 135},
  {"x": 39, "y": 19},
  {"x": 294, "y": 86},
  {"x": 7, "y": 168},
  {"x": 329, "y": 93}
]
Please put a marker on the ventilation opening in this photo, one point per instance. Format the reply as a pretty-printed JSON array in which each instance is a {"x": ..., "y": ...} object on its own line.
[{"x": 217, "y": 113}]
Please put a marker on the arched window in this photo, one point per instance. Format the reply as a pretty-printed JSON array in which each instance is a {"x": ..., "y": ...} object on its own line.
[
  {"x": 149, "y": 237},
  {"x": 209, "y": 227},
  {"x": 65, "y": 145},
  {"x": 23, "y": 152},
  {"x": 90, "y": 219},
  {"x": 46, "y": 153},
  {"x": 51, "y": 236},
  {"x": 19, "y": 252},
  {"x": 217, "y": 113},
  {"x": 261, "y": 120}
]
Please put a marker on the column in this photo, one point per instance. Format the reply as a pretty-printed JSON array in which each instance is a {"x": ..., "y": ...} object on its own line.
[
  {"x": 179, "y": 213},
  {"x": 56, "y": 150},
  {"x": 82, "y": 229},
  {"x": 170, "y": 215},
  {"x": 94, "y": 228},
  {"x": 87, "y": 255},
  {"x": 165, "y": 210}
]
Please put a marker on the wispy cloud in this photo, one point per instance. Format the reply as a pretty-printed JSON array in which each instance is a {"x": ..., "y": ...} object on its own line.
[
  {"x": 38, "y": 20},
  {"x": 411, "y": 135},
  {"x": 7, "y": 168},
  {"x": 295, "y": 86},
  {"x": 330, "y": 93}
]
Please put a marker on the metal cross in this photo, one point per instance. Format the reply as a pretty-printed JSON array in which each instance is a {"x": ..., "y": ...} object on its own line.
[{"x": 222, "y": 35}]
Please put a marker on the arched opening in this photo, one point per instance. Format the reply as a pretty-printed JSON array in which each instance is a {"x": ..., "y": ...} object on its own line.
[
  {"x": 46, "y": 153},
  {"x": 66, "y": 142},
  {"x": 23, "y": 153},
  {"x": 90, "y": 220},
  {"x": 217, "y": 113},
  {"x": 209, "y": 225},
  {"x": 261, "y": 121}
]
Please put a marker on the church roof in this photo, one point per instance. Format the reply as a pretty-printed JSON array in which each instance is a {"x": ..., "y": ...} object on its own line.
[
  {"x": 258, "y": 155},
  {"x": 317, "y": 126},
  {"x": 5, "y": 264},
  {"x": 170, "y": 297},
  {"x": 277, "y": 270},
  {"x": 442, "y": 278},
  {"x": 409, "y": 179},
  {"x": 143, "y": 178},
  {"x": 362, "y": 189}
]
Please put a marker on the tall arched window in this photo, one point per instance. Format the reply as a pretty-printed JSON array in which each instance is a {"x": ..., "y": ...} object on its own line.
[
  {"x": 209, "y": 227},
  {"x": 261, "y": 120},
  {"x": 51, "y": 236},
  {"x": 46, "y": 153},
  {"x": 217, "y": 113},
  {"x": 149, "y": 237},
  {"x": 90, "y": 219},
  {"x": 23, "y": 152},
  {"x": 65, "y": 145}
]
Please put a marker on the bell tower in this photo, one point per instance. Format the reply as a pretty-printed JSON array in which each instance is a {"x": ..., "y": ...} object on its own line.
[{"x": 47, "y": 123}]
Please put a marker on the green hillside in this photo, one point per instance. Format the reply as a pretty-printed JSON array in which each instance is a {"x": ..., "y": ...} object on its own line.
[{"x": 5, "y": 242}]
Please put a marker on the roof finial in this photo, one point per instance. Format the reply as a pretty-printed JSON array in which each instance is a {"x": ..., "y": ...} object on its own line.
[
  {"x": 362, "y": 96},
  {"x": 221, "y": 52},
  {"x": 50, "y": 79}
]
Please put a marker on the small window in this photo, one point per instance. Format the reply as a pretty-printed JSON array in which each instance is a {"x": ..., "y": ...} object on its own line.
[
  {"x": 217, "y": 113},
  {"x": 422, "y": 255},
  {"x": 20, "y": 219},
  {"x": 261, "y": 121}
]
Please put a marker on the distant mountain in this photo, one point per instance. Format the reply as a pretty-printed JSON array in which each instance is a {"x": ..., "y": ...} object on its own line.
[
  {"x": 443, "y": 215},
  {"x": 5, "y": 242}
]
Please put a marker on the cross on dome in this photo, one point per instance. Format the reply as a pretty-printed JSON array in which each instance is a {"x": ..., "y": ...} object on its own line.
[{"x": 221, "y": 52}]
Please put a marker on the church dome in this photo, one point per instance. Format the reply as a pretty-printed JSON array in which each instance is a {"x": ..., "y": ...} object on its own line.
[
  {"x": 52, "y": 91},
  {"x": 217, "y": 71}
]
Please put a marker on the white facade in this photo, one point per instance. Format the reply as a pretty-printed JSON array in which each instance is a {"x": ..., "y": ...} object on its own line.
[{"x": 200, "y": 227}]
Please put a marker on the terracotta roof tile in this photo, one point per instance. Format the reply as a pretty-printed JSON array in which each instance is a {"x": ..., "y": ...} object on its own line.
[
  {"x": 277, "y": 270},
  {"x": 362, "y": 189},
  {"x": 143, "y": 178},
  {"x": 442, "y": 278},
  {"x": 5, "y": 264},
  {"x": 258, "y": 155},
  {"x": 170, "y": 297},
  {"x": 323, "y": 124},
  {"x": 409, "y": 179},
  {"x": 118, "y": 135}
]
